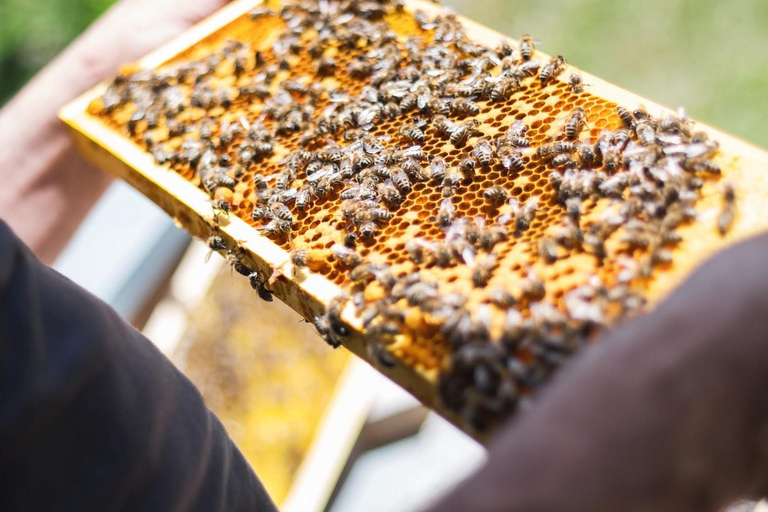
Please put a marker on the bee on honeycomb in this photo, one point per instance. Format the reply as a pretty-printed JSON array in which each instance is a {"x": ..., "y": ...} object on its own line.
[{"x": 446, "y": 189}]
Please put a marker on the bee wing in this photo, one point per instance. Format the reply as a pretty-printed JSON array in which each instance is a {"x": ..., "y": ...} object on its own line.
[
  {"x": 289, "y": 195},
  {"x": 420, "y": 122},
  {"x": 468, "y": 255}
]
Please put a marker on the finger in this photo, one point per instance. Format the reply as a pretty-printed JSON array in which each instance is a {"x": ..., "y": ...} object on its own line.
[{"x": 133, "y": 28}]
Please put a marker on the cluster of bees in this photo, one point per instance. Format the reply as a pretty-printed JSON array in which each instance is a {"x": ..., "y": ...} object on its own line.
[{"x": 649, "y": 172}]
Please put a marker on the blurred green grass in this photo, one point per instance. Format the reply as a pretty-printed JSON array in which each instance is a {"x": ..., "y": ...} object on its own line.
[
  {"x": 32, "y": 32},
  {"x": 707, "y": 55}
]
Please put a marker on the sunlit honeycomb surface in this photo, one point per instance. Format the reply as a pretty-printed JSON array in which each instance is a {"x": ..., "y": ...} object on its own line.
[{"x": 543, "y": 109}]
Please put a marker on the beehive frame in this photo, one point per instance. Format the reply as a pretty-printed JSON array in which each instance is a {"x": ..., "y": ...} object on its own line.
[{"x": 309, "y": 293}]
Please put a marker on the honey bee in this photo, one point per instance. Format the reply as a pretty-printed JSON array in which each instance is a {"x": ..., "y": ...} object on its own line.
[
  {"x": 367, "y": 272},
  {"x": 457, "y": 328},
  {"x": 380, "y": 214},
  {"x": 483, "y": 151},
  {"x": 646, "y": 133},
  {"x": 501, "y": 298},
  {"x": 575, "y": 83},
  {"x": 412, "y": 132},
  {"x": 527, "y": 69},
  {"x": 595, "y": 245},
  {"x": 553, "y": 68},
  {"x": 546, "y": 151},
  {"x": 303, "y": 197},
  {"x": 410, "y": 165},
  {"x": 281, "y": 212},
  {"x": 300, "y": 258},
  {"x": 367, "y": 229},
  {"x": 467, "y": 165},
  {"x": 675, "y": 124},
  {"x": 464, "y": 107},
  {"x": 390, "y": 194},
  {"x": 587, "y": 154},
  {"x": 670, "y": 238},
  {"x": 495, "y": 195},
  {"x": 547, "y": 248},
  {"x": 350, "y": 240},
  {"x": 400, "y": 180},
  {"x": 504, "y": 88},
  {"x": 221, "y": 206},
  {"x": 326, "y": 66},
  {"x": 334, "y": 311},
  {"x": 443, "y": 125},
  {"x": 514, "y": 329},
  {"x": 323, "y": 326},
  {"x": 451, "y": 182},
  {"x": 706, "y": 166},
  {"x": 526, "y": 47},
  {"x": 346, "y": 256},
  {"x": 235, "y": 261},
  {"x": 260, "y": 285},
  {"x": 445, "y": 214},
  {"x": 517, "y": 129},
  {"x": 360, "y": 68},
  {"x": 615, "y": 185},
  {"x": 417, "y": 250},
  {"x": 261, "y": 12},
  {"x": 577, "y": 120},
  {"x": 511, "y": 159},
  {"x": 215, "y": 243},
  {"x": 437, "y": 169},
  {"x": 420, "y": 293},
  {"x": 573, "y": 207},
  {"x": 491, "y": 236},
  {"x": 564, "y": 146},
  {"x": 636, "y": 238},
  {"x": 569, "y": 235},
  {"x": 532, "y": 287},
  {"x": 626, "y": 116},
  {"x": 375, "y": 350},
  {"x": 462, "y": 132},
  {"x": 260, "y": 213},
  {"x": 728, "y": 211},
  {"x": 526, "y": 215},
  {"x": 483, "y": 270},
  {"x": 660, "y": 256},
  {"x": 563, "y": 160},
  {"x": 277, "y": 227}
]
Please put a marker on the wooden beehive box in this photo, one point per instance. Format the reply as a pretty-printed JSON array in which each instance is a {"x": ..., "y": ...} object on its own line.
[{"x": 418, "y": 361}]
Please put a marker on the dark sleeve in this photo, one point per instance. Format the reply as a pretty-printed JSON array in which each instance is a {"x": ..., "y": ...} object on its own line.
[{"x": 93, "y": 416}]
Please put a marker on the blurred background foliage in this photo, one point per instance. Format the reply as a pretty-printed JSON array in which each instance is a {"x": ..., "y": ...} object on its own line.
[
  {"x": 707, "y": 55},
  {"x": 32, "y": 32}
]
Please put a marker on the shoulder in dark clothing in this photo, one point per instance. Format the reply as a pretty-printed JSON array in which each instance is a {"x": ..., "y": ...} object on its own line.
[{"x": 93, "y": 416}]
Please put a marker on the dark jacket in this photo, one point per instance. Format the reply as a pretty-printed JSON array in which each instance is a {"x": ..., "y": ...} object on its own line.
[{"x": 93, "y": 416}]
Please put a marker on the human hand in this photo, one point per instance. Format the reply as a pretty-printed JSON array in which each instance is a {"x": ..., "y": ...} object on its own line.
[
  {"x": 48, "y": 187},
  {"x": 666, "y": 413},
  {"x": 130, "y": 30}
]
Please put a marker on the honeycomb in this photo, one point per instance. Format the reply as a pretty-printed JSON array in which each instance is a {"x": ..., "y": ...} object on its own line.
[
  {"x": 268, "y": 384},
  {"x": 497, "y": 297}
]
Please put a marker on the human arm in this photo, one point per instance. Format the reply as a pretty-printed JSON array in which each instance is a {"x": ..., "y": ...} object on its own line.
[
  {"x": 667, "y": 413},
  {"x": 93, "y": 416},
  {"x": 47, "y": 187}
]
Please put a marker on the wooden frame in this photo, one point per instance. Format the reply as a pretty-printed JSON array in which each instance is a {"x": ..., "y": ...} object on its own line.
[{"x": 190, "y": 207}]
